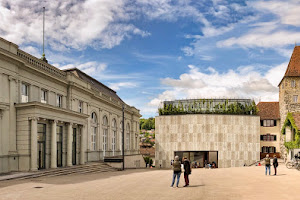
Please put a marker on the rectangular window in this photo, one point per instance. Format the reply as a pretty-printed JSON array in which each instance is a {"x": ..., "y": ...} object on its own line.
[
  {"x": 293, "y": 83},
  {"x": 268, "y": 123},
  {"x": 44, "y": 96},
  {"x": 265, "y": 149},
  {"x": 271, "y": 150},
  {"x": 59, "y": 100},
  {"x": 295, "y": 98},
  {"x": 80, "y": 106},
  {"x": 268, "y": 137},
  {"x": 25, "y": 93}
]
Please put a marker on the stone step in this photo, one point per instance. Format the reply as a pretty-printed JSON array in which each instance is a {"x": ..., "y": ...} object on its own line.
[{"x": 98, "y": 167}]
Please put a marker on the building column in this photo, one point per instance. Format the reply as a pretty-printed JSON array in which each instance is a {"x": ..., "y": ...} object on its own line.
[
  {"x": 33, "y": 149},
  {"x": 13, "y": 83},
  {"x": 69, "y": 144},
  {"x": 53, "y": 145},
  {"x": 82, "y": 144}
]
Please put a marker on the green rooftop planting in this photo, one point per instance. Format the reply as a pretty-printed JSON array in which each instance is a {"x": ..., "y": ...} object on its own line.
[{"x": 209, "y": 106}]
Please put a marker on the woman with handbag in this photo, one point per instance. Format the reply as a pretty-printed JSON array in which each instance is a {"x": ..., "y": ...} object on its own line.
[{"x": 176, "y": 171}]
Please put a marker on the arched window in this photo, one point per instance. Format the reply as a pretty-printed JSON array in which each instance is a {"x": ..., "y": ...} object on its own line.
[
  {"x": 121, "y": 137},
  {"x": 105, "y": 133},
  {"x": 114, "y": 135},
  {"x": 127, "y": 132},
  {"x": 94, "y": 126}
]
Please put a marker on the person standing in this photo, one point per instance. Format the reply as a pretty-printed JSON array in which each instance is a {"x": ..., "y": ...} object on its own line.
[
  {"x": 187, "y": 171},
  {"x": 176, "y": 171},
  {"x": 275, "y": 164},
  {"x": 268, "y": 164}
]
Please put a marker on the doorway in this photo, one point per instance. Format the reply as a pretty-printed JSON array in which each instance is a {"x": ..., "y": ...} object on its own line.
[
  {"x": 74, "y": 145},
  {"x": 41, "y": 146},
  {"x": 59, "y": 132}
]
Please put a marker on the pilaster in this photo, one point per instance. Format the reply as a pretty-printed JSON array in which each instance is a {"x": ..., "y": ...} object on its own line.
[
  {"x": 33, "y": 138},
  {"x": 53, "y": 144}
]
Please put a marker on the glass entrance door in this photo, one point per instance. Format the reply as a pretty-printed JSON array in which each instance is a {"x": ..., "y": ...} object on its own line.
[
  {"x": 74, "y": 145},
  {"x": 41, "y": 146},
  {"x": 59, "y": 132}
]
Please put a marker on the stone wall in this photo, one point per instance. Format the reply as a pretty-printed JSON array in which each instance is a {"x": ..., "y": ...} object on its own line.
[
  {"x": 235, "y": 137},
  {"x": 286, "y": 104}
]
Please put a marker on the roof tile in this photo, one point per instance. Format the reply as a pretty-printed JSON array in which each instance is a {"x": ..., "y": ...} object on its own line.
[
  {"x": 268, "y": 110},
  {"x": 293, "y": 68}
]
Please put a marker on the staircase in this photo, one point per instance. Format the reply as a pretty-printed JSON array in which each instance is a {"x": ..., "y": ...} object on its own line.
[{"x": 92, "y": 167}]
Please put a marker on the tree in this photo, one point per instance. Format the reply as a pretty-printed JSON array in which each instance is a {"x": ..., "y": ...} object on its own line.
[{"x": 147, "y": 124}]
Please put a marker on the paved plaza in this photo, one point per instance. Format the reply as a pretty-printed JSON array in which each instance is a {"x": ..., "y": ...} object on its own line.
[{"x": 226, "y": 183}]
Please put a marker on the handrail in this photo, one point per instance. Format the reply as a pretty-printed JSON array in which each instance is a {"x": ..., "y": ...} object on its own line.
[{"x": 41, "y": 64}]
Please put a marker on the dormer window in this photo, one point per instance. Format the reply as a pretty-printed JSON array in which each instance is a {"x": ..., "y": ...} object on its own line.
[{"x": 293, "y": 83}]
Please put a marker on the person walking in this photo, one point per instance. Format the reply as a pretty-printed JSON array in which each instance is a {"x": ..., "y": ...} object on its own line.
[
  {"x": 275, "y": 164},
  {"x": 176, "y": 171},
  {"x": 268, "y": 164},
  {"x": 187, "y": 171}
]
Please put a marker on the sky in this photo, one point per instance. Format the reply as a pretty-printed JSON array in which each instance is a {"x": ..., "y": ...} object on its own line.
[{"x": 149, "y": 51}]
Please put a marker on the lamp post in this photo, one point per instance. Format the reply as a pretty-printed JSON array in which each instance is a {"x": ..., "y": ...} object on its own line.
[{"x": 123, "y": 152}]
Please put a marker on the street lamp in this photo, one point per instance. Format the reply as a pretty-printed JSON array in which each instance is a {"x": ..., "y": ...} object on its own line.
[{"x": 123, "y": 152}]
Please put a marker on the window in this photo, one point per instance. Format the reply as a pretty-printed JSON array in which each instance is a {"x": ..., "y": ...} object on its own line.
[
  {"x": 59, "y": 100},
  {"x": 43, "y": 96},
  {"x": 25, "y": 94},
  {"x": 293, "y": 83},
  {"x": 268, "y": 137},
  {"x": 268, "y": 122},
  {"x": 105, "y": 131},
  {"x": 94, "y": 117},
  {"x": 93, "y": 138},
  {"x": 265, "y": 149},
  {"x": 295, "y": 98},
  {"x": 80, "y": 106},
  {"x": 127, "y": 137},
  {"x": 93, "y": 131},
  {"x": 121, "y": 136},
  {"x": 114, "y": 135}
]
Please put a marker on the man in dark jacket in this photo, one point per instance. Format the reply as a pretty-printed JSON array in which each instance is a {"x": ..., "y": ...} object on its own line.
[
  {"x": 187, "y": 171},
  {"x": 275, "y": 164}
]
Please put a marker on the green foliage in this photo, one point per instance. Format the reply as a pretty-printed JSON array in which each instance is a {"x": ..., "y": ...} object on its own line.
[
  {"x": 148, "y": 160},
  {"x": 290, "y": 122},
  {"x": 203, "y": 106},
  {"x": 149, "y": 142},
  {"x": 147, "y": 124}
]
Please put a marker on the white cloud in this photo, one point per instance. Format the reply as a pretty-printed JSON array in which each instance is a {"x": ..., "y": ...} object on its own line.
[
  {"x": 288, "y": 10},
  {"x": 271, "y": 33},
  {"x": 262, "y": 39},
  {"x": 244, "y": 82},
  {"x": 69, "y": 24},
  {"x": 117, "y": 86}
]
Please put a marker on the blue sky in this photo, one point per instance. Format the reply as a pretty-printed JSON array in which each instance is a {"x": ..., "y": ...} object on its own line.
[{"x": 150, "y": 51}]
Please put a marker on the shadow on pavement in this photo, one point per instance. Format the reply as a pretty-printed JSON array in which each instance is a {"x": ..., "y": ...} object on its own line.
[{"x": 195, "y": 185}]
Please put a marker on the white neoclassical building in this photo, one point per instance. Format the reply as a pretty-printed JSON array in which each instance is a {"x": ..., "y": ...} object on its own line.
[{"x": 51, "y": 118}]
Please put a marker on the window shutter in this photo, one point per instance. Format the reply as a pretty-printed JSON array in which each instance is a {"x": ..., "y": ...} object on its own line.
[
  {"x": 275, "y": 137},
  {"x": 262, "y": 149},
  {"x": 275, "y": 121},
  {"x": 261, "y": 122},
  {"x": 274, "y": 149},
  {"x": 261, "y": 137}
]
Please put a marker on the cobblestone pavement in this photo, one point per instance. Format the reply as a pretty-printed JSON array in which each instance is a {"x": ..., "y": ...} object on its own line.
[{"x": 231, "y": 183}]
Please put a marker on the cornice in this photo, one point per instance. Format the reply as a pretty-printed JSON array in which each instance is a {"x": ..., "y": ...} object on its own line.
[{"x": 35, "y": 104}]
